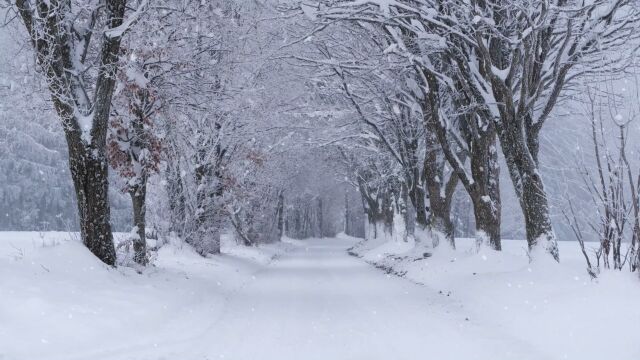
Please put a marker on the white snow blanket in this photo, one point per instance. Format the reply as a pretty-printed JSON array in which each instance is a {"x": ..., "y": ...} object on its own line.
[{"x": 307, "y": 300}]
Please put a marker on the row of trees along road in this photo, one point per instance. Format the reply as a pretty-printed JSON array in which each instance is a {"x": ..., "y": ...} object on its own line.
[{"x": 405, "y": 99}]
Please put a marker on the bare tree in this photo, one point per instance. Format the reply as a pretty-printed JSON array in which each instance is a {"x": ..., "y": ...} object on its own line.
[
  {"x": 61, "y": 33},
  {"x": 380, "y": 86},
  {"x": 514, "y": 59},
  {"x": 613, "y": 189}
]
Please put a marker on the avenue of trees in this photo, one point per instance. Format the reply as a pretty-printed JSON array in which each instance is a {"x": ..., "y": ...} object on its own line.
[{"x": 398, "y": 119}]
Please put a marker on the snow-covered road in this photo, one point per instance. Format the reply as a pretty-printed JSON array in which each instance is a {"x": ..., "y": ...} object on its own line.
[{"x": 317, "y": 302}]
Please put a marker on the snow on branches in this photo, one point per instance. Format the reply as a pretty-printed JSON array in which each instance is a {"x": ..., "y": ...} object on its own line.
[{"x": 134, "y": 143}]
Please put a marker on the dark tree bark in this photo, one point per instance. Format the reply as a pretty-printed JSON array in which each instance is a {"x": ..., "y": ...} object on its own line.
[
  {"x": 517, "y": 128},
  {"x": 138, "y": 195},
  {"x": 440, "y": 190},
  {"x": 413, "y": 188},
  {"x": 53, "y": 38},
  {"x": 417, "y": 197},
  {"x": 280, "y": 215},
  {"x": 90, "y": 174},
  {"x": 525, "y": 175},
  {"x": 319, "y": 216},
  {"x": 478, "y": 132},
  {"x": 347, "y": 215},
  {"x": 485, "y": 190},
  {"x": 378, "y": 207}
]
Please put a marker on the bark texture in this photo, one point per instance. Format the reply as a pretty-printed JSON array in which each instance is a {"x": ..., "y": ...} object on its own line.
[{"x": 439, "y": 189}]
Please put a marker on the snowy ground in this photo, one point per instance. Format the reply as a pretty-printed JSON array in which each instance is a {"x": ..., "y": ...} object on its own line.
[
  {"x": 554, "y": 308},
  {"x": 58, "y": 302},
  {"x": 308, "y": 300}
]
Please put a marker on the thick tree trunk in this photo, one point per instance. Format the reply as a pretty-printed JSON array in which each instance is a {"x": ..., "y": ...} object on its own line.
[
  {"x": 536, "y": 215},
  {"x": 485, "y": 189},
  {"x": 440, "y": 192},
  {"x": 417, "y": 197},
  {"x": 479, "y": 133},
  {"x": 91, "y": 181},
  {"x": 525, "y": 175},
  {"x": 441, "y": 224},
  {"x": 487, "y": 218},
  {"x": 138, "y": 195}
]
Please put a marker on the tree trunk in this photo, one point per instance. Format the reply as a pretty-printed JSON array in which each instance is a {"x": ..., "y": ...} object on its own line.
[
  {"x": 536, "y": 215},
  {"x": 487, "y": 219},
  {"x": 347, "y": 213},
  {"x": 525, "y": 175},
  {"x": 403, "y": 209},
  {"x": 208, "y": 178},
  {"x": 617, "y": 253},
  {"x": 441, "y": 224},
  {"x": 138, "y": 195},
  {"x": 237, "y": 224},
  {"x": 280, "y": 215},
  {"x": 479, "y": 134},
  {"x": 378, "y": 207},
  {"x": 90, "y": 174},
  {"x": 485, "y": 189},
  {"x": 440, "y": 206},
  {"x": 417, "y": 197},
  {"x": 177, "y": 200},
  {"x": 380, "y": 220},
  {"x": 319, "y": 217},
  {"x": 206, "y": 239}
]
